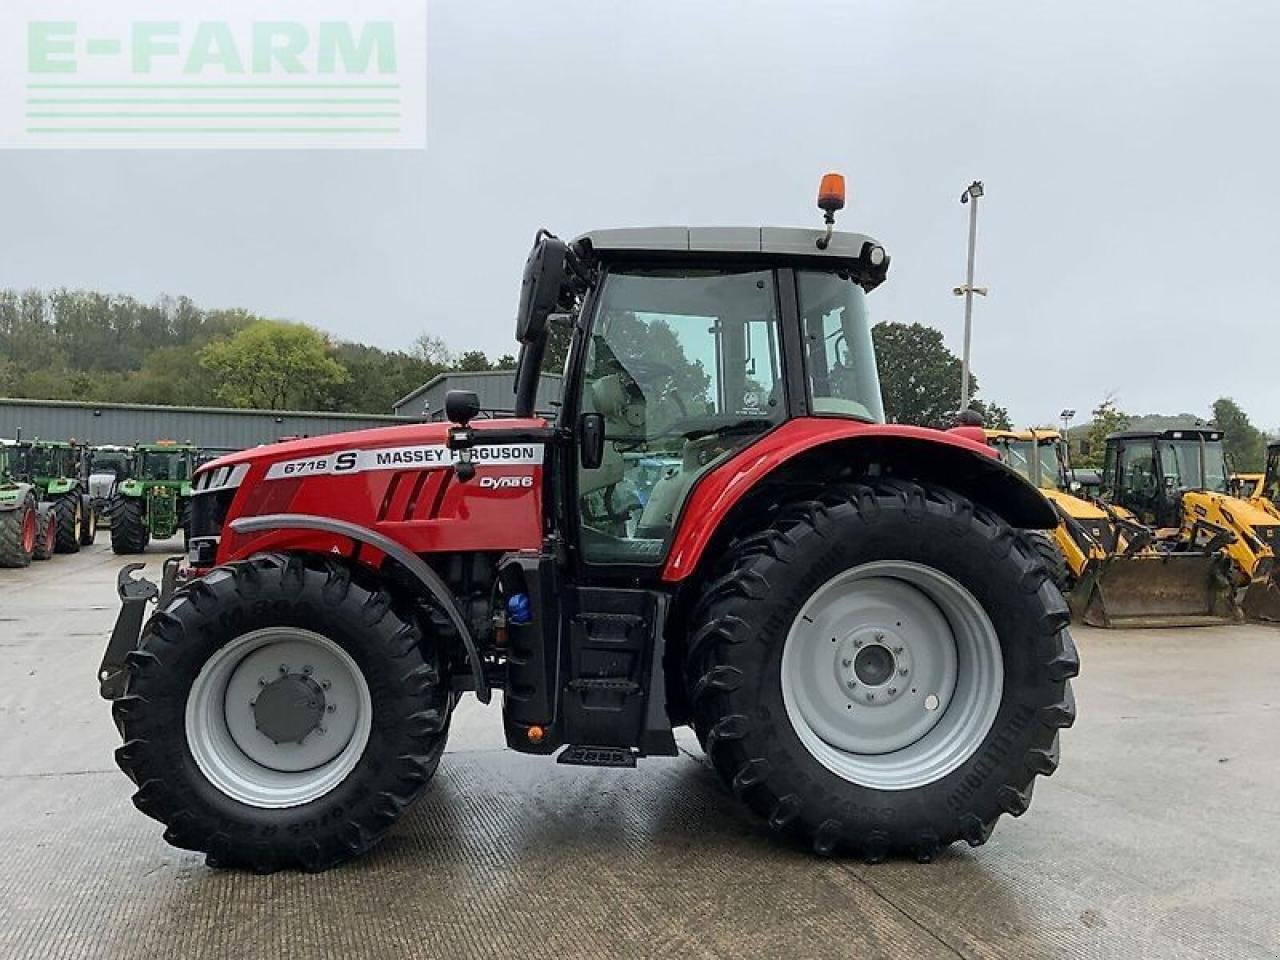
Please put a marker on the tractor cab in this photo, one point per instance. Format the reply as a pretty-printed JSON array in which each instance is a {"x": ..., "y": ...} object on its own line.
[
  {"x": 165, "y": 462},
  {"x": 1270, "y": 486},
  {"x": 688, "y": 345},
  {"x": 1039, "y": 455},
  {"x": 1149, "y": 471}
]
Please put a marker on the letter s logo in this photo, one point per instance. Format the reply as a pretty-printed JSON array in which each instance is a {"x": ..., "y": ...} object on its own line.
[{"x": 345, "y": 462}]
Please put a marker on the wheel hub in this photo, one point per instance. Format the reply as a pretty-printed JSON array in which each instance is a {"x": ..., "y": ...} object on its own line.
[
  {"x": 289, "y": 708},
  {"x": 278, "y": 716},
  {"x": 891, "y": 674}
]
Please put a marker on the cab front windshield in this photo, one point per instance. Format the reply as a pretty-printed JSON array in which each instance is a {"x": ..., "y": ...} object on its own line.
[
  {"x": 43, "y": 462},
  {"x": 166, "y": 466},
  {"x": 1180, "y": 464}
]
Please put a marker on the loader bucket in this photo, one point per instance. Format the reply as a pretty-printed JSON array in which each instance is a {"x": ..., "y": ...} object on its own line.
[
  {"x": 1262, "y": 599},
  {"x": 1157, "y": 590}
]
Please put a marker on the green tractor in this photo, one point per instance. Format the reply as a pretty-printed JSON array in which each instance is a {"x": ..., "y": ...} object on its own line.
[
  {"x": 155, "y": 501},
  {"x": 58, "y": 469}
]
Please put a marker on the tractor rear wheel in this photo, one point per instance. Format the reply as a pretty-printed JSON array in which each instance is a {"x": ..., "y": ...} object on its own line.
[
  {"x": 281, "y": 713},
  {"x": 88, "y": 522},
  {"x": 19, "y": 533},
  {"x": 129, "y": 532},
  {"x": 1043, "y": 543},
  {"x": 68, "y": 514},
  {"x": 883, "y": 671},
  {"x": 46, "y": 534}
]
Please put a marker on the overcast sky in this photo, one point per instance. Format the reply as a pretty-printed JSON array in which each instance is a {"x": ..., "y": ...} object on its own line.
[{"x": 1130, "y": 234}]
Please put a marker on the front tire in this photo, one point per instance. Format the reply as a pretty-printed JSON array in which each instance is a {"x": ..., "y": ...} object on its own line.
[
  {"x": 68, "y": 514},
  {"x": 966, "y": 631},
  {"x": 129, "y": 532},
  {"x": 226, "y": 717},
  {"x": 46, "y": 534},
  {"x": 88, "y": 522}
]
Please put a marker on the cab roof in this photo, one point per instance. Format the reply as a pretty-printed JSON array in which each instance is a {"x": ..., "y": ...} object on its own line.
[
  {"x": 1181, "y": 433},
  {"x": 1030, "y": 433},
  {"x": 851, "y": 249}
]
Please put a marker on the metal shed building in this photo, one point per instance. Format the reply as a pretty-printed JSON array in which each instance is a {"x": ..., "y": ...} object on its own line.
[
  {"x": 496, "y": 390},
  {"x": 213, "y": 428}
]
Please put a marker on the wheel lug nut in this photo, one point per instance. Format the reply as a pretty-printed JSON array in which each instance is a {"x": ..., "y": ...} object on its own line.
[
  {"x": 879, "y": 635},
  {"x": 903, "y": 672},
  {"x": 330, "y": 708},
  {"x": 857, "y": 643},
  {"x": 306, "y": 671},
  {"x": 262, "y": 681},
  {"x": 324, "y": 684},
  {"x": 871, "y": 696},
  {"x": 897, "y": 649},
  {"x": 892, "y": 691},
  {"x": 846, "y": 662},
  {"x": 284, "y": 668}
]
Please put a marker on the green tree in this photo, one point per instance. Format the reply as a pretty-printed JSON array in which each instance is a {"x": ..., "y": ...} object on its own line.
[
  {"x": 272, "y": 364},
  {"x": 1246, "y": 445},
  {"x": 1107, "y": 418},
  {"x": 920, "y": 378}
]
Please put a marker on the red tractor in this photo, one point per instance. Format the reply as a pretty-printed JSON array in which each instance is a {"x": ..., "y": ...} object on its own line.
[{"x": 718, "y": 530}]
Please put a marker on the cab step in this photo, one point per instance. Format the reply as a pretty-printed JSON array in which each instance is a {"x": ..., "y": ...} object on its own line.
[{"x": 584, "y": 756}]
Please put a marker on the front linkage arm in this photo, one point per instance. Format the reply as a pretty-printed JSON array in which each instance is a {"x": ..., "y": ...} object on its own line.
[{"x": 134, "y": 597}]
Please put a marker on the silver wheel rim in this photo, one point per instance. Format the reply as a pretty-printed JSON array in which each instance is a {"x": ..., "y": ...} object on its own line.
[
  {"x": 892, "y": 675},
  {"x": 223, "y": 718}
]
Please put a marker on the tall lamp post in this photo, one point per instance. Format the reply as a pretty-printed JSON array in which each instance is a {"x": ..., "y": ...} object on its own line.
[{"x": 971, "y": 192}]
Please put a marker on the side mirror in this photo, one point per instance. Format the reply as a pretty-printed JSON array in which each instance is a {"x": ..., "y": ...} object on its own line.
[
  {"x": 540, "y": 289},
  {"x": 461, "y": 406},
  {"x": 591, "y": 440},
  {"x": 1076, "y": 486}
]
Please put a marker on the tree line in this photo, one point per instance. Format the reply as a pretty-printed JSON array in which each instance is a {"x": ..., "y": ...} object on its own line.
[
  {"x": 84, "y": 345},
  {"x": 91, "y": 346}
]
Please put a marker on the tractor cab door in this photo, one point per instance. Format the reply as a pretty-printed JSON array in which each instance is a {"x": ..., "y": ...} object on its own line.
[
  {"x": 1133, "y": 480},
  {"x": 684, "y": 366}
]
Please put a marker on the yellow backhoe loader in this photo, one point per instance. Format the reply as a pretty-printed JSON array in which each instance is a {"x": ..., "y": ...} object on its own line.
[
  {"x": 1112, "y": 568},
  {"x": 1177, "y": 482}
]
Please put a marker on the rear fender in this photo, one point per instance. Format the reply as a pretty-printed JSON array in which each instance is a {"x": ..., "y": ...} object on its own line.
[{"x": 815, "y": 451}]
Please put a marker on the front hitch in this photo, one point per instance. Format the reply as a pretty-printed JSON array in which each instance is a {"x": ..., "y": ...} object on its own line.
[{"x": 135, "y": 594}]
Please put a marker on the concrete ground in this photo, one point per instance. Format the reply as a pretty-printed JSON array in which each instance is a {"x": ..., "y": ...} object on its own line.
[{"x": 1158, "y": 837}]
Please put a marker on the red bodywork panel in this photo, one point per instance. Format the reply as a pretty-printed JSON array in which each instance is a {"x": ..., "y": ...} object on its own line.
[
  {"x": 716, "y": 493},
  {"x": 398, "y": 481}
]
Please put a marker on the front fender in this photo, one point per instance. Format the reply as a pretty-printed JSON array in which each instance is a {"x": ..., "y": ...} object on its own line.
[{"x": 810, "y": 448}]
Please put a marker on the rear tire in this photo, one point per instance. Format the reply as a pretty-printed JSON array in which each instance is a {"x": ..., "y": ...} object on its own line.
[
  {"x": 129, "y": 532},
  {"x": 18, "y": 533},
  {"x": 860, "y": 785},
  {"x": 68, "y": 517},
  {"x": 203, "y": 776}
]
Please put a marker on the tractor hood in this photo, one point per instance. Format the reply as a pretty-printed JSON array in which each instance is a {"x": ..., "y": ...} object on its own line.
[{"x": 422, "y": 444}]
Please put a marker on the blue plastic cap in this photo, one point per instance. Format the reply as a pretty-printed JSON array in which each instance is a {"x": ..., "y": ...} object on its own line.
[{"x": 518, "y": 608}]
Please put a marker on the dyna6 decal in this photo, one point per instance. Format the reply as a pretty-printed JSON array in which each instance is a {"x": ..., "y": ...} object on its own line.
[{"x": 427, "y": 457}]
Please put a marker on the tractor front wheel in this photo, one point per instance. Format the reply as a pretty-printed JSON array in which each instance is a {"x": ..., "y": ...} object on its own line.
[
  {"x": 88, "y": 522},
  {"x": 129, "y": 533},
  {"x": 68, "y": 514},
  {"x": 883, "y": 671},
  {"x": 280, "y": 713},
  {"x": 19, "y": 533},
  {"x": 46, "y": 534}
]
